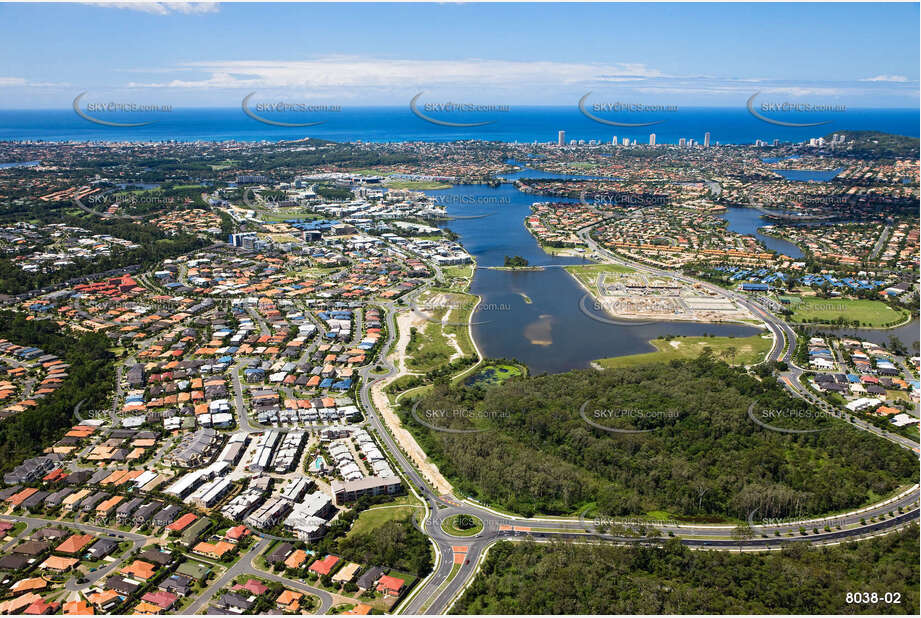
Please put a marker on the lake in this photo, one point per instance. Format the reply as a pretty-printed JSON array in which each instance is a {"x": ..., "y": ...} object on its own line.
[{"x": 551, "y": 333}]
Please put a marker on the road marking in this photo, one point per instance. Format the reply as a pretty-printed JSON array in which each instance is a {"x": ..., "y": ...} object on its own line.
[{"x": 460, "y": 548}]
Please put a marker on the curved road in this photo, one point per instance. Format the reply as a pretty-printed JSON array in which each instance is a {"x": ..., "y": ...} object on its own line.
[{"x": 436, "y": 593}]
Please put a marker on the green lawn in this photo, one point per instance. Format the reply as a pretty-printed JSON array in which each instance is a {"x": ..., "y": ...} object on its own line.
[
  {"x": 830, "y": 310},
  {"x": 748, "y": 350},
  {"x": 376, "y": 517},
  {"x": 284, "y": 215},
  {"x": 493, "y": 374},
  {"x": 450, "y": 525},
  {"x": 464, "y": 271},
  {"x": 417, "y": 185},
  {"x": 588, "y": 273},
  {"x": 431, "y": 346}
]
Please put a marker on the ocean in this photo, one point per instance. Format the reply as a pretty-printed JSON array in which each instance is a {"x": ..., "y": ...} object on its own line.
[{"x": 387, "y": 124}]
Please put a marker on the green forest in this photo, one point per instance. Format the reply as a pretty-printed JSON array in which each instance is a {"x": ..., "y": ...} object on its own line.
[
  {"x": 560, "y": 578},
  {"x": 700, "y": 458},
  {"x": 397, "y": 544},
  {"x": 91, "y": 378}
]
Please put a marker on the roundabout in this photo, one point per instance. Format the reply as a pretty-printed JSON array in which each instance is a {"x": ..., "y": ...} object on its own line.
[{"x": 462, "y": 525}]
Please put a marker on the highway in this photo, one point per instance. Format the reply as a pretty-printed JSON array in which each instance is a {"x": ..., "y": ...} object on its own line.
[{"x": 436, "y": 593}]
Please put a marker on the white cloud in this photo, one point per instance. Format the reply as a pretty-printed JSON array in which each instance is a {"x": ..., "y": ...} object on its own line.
[
  {"x": 353, "y": 72},
  {"x": 885, "y": 78},
  {"x": 804, "y": 91},
  {"x": 162, "y": 8},
  {"x": 21, "y": 82}
]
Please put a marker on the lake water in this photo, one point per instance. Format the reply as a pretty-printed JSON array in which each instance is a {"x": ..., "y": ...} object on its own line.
[
  {"x": 747, "y": 221},
  {"x": 550, "y": 333},
  {"x": 809, "y": 175},
  {"x": 908, "y": 334}
]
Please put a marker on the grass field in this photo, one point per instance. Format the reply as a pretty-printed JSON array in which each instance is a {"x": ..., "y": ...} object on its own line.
[
  {"x": 432, "y": 344},
  {"x": 450, "y": 525},
  {"x": 464, "y": 271},
  {"x": 747, "y": 351},
  {"x": 417, "y": 185},
  {"x": 588, "y": 273},
  {"x": 223, "y": 165},
  {"x": 376, "y": 517},
  {"x": 828, "y": 311},
  {"x": 290, "y": 213}
]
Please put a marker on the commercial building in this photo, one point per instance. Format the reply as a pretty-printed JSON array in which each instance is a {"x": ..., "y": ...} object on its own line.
[{"x": 348, "y": 491}]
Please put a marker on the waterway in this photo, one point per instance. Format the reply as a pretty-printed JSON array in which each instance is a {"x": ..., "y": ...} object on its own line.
[
  {"x": 746, "y": 221},
  {"x": 809, "y": 175},
  {"x": 908, "y": 334},
  {"x": 551, "y": 333}
]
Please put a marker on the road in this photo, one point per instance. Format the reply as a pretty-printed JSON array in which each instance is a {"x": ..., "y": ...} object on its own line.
[
  {"x": 439, "y": 590},
  {"x": 436, "y": 594},
  {"x": 246, "y": 566},
  {"x": 138, "y": 540}
]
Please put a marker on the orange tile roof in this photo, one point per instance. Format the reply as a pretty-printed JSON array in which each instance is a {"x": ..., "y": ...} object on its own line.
[
  {"x": 287, "y": 597},
  {"x": 74, "y": 543},
  {"x": 140, "y": 569},
  {"x": 296, "y": 559},
  {"x": 31, "y": 583},
  {"x": 214, "y": 549},
  {"x": 102, "y": 597},
  {"x": 78, "y": 608},
  {"x": 146, "y": 609},
  {"x": 57, "y": 563},
  {"x": 182, "y": 522},
  {"x": 359, "y": 610}
]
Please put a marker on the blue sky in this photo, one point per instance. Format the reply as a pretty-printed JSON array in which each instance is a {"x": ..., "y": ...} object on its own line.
[{"x": 860, "y": 55}]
